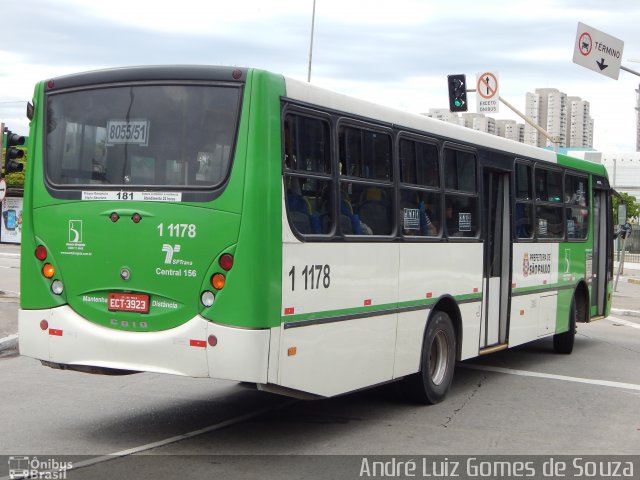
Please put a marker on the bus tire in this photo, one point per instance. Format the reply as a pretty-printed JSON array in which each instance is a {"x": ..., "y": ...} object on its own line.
[
  {"x": 563, "y": 342},
  {"x": 431, "y": 384}
]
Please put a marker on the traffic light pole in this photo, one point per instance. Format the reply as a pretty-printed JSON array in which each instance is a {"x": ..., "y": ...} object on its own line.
[{"x": 552, "y": 138}]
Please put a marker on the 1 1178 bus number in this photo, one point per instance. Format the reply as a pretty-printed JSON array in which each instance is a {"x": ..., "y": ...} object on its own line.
[{"x": 315, "y": 277}]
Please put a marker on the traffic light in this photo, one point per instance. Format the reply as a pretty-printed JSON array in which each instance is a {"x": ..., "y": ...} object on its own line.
[
  {"x": 12, "y": 153},
  {"x": 457, "y": 93}
]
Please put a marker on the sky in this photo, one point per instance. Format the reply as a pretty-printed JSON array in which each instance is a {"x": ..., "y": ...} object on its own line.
[{"x": 397, "y": 53}]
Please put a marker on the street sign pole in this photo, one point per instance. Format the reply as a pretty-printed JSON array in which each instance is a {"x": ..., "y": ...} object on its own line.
[{"x": 622, "y": 67}]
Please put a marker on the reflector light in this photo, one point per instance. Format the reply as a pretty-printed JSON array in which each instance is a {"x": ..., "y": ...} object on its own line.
[
  {"x": 114, "y": 217},
  {"x": 197, "y": 343},
  {"x": 291, "y": 351},
  {"x": 48, "y": 271},
  {"x": 217, "y": 281},
  {"x": 136, "y": 218},
  {"x": 207, "y": 298},
  {"x": 213, "y": 340},
  {"x": 44, "y": 325},
  {"x": 125, "y": 273},
  {"x": 57, "y": 287},
  {"x": 226, "y": 261},
  {"x": 41, "y": 253},
  {"x": 55, "y": 332}
]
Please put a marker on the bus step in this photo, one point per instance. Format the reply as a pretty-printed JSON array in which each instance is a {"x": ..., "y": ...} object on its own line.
[
  {"x": 493, "y": 349},
  {"x": 599, "y": 317}
]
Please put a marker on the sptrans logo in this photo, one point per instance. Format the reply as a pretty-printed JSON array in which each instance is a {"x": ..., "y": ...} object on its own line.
[
  {"x": 49, "y": 468},
  {"x": 170, "y": 250}
]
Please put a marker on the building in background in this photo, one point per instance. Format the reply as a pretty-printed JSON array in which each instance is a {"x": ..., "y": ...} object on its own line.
[
  {"x": 623, "y": 169},
  {"x": 566, "y": 117},
  {"x": 638, "y": 119}
]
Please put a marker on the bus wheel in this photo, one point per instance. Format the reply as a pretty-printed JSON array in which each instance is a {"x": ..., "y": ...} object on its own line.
[
  {"x": 563, "y": 342},
  {"x": 431, "y": 384}
]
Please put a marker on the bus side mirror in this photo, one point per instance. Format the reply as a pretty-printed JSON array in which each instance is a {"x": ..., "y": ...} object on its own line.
[{"x": 622, "y": 214}]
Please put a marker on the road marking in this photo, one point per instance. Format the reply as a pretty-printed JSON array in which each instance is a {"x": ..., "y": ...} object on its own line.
[
  {"x": 551, "y": 376},
  {"x": 626, "y": 323},
  {"x": 177, "y": 438}
]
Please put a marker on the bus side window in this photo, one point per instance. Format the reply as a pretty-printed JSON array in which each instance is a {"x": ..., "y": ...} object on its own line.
[
  {"x": 461, "y": 199},
  {"x": 524, "y": 225},
  {"x": 307, "y": 174},
  {"x": 577, "y": 213}
]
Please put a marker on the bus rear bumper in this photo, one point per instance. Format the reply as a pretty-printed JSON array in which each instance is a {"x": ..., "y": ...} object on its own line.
[{"x": 61, "y": 336}]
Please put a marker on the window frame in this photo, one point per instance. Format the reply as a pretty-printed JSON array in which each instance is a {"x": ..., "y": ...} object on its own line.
[
  {"x": 449, "y": 193},
  {"x": 402, "y": 186},
  {"x": 287, "y": 172}
]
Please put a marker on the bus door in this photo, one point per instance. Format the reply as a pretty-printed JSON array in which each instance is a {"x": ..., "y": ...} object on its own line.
[
  {"x": 601, "y": 236},
  {"x": 497, "y": 253}
]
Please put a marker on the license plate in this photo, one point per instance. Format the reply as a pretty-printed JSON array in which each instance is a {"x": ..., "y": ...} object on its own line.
[{"x": 128, "y": 302}]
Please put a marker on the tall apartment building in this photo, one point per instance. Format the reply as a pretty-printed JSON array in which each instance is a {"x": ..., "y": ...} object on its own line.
[
  {"x": 638, "y": 119},
  {"x": 443, "y": 114},
  {"x": 580, "y": 131},
  {"x": 533, "y": 111},
  {"x": 507, "y": 129},
  {"x": 562, "y": 116}
]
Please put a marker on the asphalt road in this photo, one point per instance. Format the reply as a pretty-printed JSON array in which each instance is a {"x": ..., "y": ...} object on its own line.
[
  {"x": 524, "y": 401},
  {"x": 584, "y": 403}
]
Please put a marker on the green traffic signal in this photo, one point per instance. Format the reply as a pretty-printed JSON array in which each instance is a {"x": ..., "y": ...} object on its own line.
[{"x": 457, "y": 93}]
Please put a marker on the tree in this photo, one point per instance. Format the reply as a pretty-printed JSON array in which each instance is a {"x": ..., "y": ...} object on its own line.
[{"x": 633, "y": 208}]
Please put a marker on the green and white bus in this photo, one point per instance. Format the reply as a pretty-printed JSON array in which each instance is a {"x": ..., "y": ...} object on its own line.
[{"x": 236, "y": 224}]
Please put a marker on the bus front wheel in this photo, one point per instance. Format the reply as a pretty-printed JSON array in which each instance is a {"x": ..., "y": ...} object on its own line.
[{"x": 431, "y": 384}]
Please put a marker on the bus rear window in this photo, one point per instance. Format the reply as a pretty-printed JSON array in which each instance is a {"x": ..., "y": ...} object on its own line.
[{"x": 176, "y": 136}]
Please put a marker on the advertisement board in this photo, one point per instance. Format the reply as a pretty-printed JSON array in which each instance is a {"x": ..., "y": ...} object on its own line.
[{"x": 11, "y": 221}]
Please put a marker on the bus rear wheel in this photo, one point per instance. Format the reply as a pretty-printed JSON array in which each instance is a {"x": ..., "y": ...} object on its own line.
[
  {"x": 431, "y": 384},
  {"x": 563, "y": 342}
]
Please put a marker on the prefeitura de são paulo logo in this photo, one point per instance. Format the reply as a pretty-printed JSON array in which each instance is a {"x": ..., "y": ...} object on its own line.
[{"x": 525, "y": 265}]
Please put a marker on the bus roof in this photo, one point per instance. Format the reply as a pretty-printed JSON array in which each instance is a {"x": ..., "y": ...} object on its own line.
[{"x": 305, "y": 92}]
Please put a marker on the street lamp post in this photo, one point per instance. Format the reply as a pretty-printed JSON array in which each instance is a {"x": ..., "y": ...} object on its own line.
[{"x": 313, "y": 20}]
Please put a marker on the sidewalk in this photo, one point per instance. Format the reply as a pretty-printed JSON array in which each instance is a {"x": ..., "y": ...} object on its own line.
[
  {"x": 9, "y": 302},
  {"x": 626, "y": 296},
  {"x": 9, "y": 250}
]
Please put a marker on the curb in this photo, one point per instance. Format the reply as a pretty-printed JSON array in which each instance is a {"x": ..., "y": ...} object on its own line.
[
  {"x": 9, "y": 343},
  {"x": 624, "y": 312},
  {"x": 635, "y": 281}
]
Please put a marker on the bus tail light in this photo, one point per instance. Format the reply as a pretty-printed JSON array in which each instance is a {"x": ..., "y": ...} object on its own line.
[
  {"x": 217, "y": 281},
  {"x": 226, "y": 261},
  {"x": 48, "y": 271},
  {"x": 41, "y": 253},
  {"x": 212, "y": 340}
]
